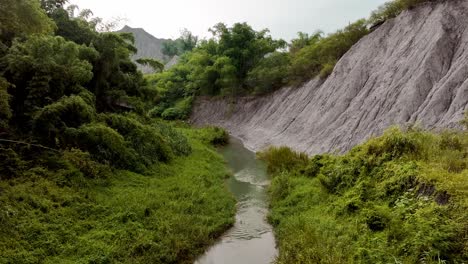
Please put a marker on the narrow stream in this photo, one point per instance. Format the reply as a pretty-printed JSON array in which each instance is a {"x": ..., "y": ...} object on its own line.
[{"x": 250, "y": 240}]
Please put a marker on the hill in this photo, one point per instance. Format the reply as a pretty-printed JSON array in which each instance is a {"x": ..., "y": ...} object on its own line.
[
  {"x": 411, "y": 69},
  {"x": 147, "y": 45}
]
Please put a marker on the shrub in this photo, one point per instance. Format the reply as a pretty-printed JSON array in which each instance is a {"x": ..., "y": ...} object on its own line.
[
  {"x": 319, "y": 57},
  {"x": 146, "y": 140},
  {"x": 178, "y": 142},
  {"x": 451, "y": 141},
  {"x": 5, "y": 111},
  {"x": 315, "y": 165},
  {"x": 270, "y": 74},
  {"x": 327, "y": 69},
  {"x": 215, "y": 136},
  {"x": 394, "y": 144},
  {"x": 181, "y": 110},
  {"x": 464, "y": 122},
  {"x": 11, "y": 163},
  {"x": 83, "y": 162},
  {"x": 392, "y": 9},
  {"x": 105, "y": 145},
  {"x": 283, "y": 159},
  {"x": 376, "y": 221},
  {"x": 50, "y": 122}
]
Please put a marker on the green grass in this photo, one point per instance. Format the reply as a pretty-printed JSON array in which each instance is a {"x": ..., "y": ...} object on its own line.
[
  {"x": 399, "y": 198},
  {"x": 170, "y": 215}
]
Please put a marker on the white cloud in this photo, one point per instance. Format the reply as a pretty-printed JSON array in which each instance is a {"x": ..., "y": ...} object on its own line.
[{"x": 284, "y": 18}]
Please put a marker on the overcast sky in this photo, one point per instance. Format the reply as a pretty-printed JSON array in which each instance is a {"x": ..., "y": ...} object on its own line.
[{"x": 284, "y": 18}]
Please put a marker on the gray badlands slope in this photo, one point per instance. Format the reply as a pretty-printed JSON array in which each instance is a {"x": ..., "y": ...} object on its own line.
[
  {"x": 147, "y": 45},
  {"x": 412, "y": 69}
]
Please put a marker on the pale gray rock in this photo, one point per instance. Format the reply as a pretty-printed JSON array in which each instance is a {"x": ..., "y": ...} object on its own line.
[
  {"x": 148, "y": 46},
  {"x": 412, "y": 69}
]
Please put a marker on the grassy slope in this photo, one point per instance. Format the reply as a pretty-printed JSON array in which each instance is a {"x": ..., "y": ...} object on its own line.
[
  {"x": 168, "y": 216},
  {"x": 383, "y": 202}
]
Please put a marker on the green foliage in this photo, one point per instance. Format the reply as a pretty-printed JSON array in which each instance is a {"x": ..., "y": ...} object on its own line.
[
  {"x": 219, "y": 66},
  {"x": 155, "y": 64},
  {"x": 170, "y": 216},
  {"x": 106, "y": 145},
  {"x": 392, "y": 9},
  {"x": 464, "y": 122},
  {"x": 282, "y": 159},
  {"x": 5, "y": 111},
  {"x": 51, "y": 121},
  {"x": 303, "y": 40},
  {"x": 270, "y": 74},
  {"x": 84, "y": 163},
  {"x": 73, "y": 112},
  {"x": 177, "y": 141},
  {"x": 393, "y": 199},
  {"x": 214, "y": 136},
  {"x": 146, "y": 140},
  {"x": 11, "y": 163},
  {"x": 319, "y": 57},
  {"x": 19, "y": 18},
  {"x": 181, "y": 110},
  {"x": 185, "y": 43},
  {"x": 44, "y": 69}
]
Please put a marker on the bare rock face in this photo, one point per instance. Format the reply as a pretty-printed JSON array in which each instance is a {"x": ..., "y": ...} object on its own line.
[
  {"x": 412, "y": 69},
  {"x": 147, "y": 45}
]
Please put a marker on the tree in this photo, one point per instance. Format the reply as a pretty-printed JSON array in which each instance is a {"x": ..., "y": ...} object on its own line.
[
  {"x": 244, "y": 46},
  {"x": 185, "y": 43},
  {"x": 270, "y": 74},
  {"x": 155, "y": 64},
  {"x": 321, "y": 54},
  {"x": 304, "y": 40},
  {"x": 5, "y": 110},
  {"x": 51, "y": 5},
  {"x": 22, "y": 17},
  {"x": 43, "y": 69}
]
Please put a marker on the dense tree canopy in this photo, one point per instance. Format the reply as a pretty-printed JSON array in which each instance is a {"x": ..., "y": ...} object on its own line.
[
  {"x": 20, "y": 18},
  {"x": 56, "y": 90},
  {"x": 185, "y": 43}
]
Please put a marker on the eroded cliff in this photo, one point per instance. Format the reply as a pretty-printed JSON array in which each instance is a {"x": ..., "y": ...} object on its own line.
[{"x": 412, "y": 69}]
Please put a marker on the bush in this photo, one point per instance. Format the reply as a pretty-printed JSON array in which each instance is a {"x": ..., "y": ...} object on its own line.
[
  {"x": 270, "y": 74},
  {"x": 83, "y": 162},
  {"x": 394, "y": 144},
  {"x": 320, "y": 56},
  {"x": 5, "y": 111},
  {"x": 392, "y": 9},
  {"x": 178, "y": 142},
  {"x": 105, "y": 145},
  {"x": 51, "y": 121},
  {"x": 397, "y": 198},
  {"x": 181, "y": 110},
  {"x": 283, "y": 159},
  {"x": 214, "y": 136},
  {"x": 150, "y": 145},
  {"x": 11, "y": 163}
]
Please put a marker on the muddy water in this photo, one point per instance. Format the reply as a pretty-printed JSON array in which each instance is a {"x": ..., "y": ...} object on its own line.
[{"x": 250, "y": 240}]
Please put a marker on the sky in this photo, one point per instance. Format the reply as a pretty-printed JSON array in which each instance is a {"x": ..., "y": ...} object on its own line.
[{"x": 284, "y": 18}]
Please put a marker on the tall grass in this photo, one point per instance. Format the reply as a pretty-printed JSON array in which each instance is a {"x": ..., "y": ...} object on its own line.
[
  {"x": 398, "y": 198},
  {"x": 70, "y": 209}
]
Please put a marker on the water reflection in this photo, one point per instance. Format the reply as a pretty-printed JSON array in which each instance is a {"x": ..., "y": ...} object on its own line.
[{"x": 250, "y": 241}]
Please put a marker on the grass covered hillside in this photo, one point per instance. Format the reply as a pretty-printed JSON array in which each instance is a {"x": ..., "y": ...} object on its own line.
[
  {"x": 66, "y": 208},
  {"x": 86, "y": 175},
  {"x": 398, "y": 198}
]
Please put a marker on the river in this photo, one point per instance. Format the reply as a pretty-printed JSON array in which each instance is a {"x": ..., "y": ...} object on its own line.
[{"x": 250, "y": 240}]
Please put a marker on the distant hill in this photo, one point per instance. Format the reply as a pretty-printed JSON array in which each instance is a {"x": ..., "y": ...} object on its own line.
[{"x": 148, "y": 47}]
